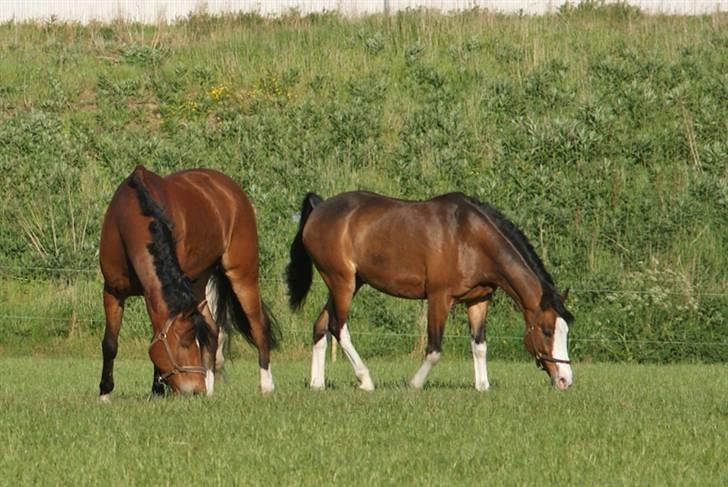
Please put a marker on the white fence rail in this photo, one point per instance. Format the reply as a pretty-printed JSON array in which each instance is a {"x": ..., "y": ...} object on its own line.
[{"x": 153, "y": 11}]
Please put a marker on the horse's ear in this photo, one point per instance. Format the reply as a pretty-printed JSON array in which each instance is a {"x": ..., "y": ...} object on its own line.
[{"x": 565, "y": 295}]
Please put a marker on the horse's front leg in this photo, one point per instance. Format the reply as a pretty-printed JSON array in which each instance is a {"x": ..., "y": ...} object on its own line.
[
  {"x": 158, "y": 387},
  {"x": 318, "y": 355},
  {"x": 476, "y": 317}
]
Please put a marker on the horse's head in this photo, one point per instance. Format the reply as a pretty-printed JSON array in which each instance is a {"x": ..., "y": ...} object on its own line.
[
  {"x": 176, "y": 351},
  {"x": 546, "y": 339}
]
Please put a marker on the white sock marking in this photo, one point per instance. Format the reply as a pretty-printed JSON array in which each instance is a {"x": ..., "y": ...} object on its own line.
[
  {"x": 219, "y": 358},
  {"x": 420, "y": 377},
  {"x": 266, "y": 380},
  {"x": 360, "y": 370},
  {"x": 105, "y": 398},
  {"x": 211, "y": 296},
  {"x": 479, "y": 365},
  {"x": 318, "y": 364}
]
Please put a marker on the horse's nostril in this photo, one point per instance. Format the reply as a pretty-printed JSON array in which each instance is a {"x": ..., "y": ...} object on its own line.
[{"x": 562, "y": 383}]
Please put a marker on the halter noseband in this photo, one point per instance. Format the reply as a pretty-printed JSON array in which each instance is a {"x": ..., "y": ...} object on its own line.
[
  {"x": 541, "y": 359},
  {"x": 176, "y": 369}
]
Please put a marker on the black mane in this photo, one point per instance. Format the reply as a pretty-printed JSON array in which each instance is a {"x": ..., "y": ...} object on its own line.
[
  {"x": 550, "y": 297},
  {"x": 176, "y": 287}
]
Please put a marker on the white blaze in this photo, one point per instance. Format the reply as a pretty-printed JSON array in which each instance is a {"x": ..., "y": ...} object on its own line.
[{"x": 560, "y": 350}]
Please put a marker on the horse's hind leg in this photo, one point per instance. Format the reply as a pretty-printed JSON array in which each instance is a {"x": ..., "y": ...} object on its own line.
[
  {"x": 318, "y": 356},
  {"x": 341, "y": 297},
  {"x": 222, "y": 338},
  {"x": 437, "y": 308},
  {"x": 211, "y": 295},
  {"x": 209, "y": 353},
  {"x": 476, "y": 317},
  {"x": 114, "y": 310},
  {"x": 246, "y": 289}
]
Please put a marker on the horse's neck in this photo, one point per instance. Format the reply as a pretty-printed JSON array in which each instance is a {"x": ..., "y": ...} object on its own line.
[
  {"x": 514, "y": 275},
  {"x": 523, "y": 287}
]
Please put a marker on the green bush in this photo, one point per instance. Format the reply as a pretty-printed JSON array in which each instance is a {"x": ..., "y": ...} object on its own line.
[{"x": 599, "y": 131}]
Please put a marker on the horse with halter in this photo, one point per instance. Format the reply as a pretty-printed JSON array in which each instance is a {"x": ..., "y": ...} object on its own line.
[
  {"x": 176, "y": 240},
  {"x": 448, "y": 250}
]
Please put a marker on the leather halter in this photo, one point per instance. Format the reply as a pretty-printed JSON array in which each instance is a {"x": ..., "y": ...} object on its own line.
[
  {"x": 176, "y": 368},
  {"x": 540, "y": 359}
]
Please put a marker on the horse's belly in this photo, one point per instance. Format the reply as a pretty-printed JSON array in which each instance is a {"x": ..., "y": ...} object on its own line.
[{"x": 395, "y": 282}]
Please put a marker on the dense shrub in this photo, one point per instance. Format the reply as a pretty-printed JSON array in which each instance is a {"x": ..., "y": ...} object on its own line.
[{"x": 599, "y": 131}]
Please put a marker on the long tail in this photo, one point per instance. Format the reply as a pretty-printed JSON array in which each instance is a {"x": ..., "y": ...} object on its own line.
[
  {"x": 299, "y": 272},
  {"x": 227, "y": 311}
]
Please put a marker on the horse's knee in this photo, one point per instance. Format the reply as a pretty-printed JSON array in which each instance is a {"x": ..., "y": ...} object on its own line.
[{"x": 109, "y": 346}]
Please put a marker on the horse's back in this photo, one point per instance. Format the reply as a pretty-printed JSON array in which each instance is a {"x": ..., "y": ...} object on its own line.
[
  {"x": 213, "y": 218},
  {"x": 400, "y": 247},
  {"x": 207, "y": 212}
]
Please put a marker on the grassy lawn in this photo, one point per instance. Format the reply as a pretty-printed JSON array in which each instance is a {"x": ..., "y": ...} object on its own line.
[{"x": 620, "y": 424}]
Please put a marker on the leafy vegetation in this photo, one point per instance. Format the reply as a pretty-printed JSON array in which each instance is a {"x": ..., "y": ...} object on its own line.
[{"x": 601, "y": 132}]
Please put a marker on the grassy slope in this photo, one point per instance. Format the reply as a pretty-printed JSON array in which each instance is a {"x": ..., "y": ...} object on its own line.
[
  {"x": 620, "y": 424},
  {"x": 602, "y": 133}
]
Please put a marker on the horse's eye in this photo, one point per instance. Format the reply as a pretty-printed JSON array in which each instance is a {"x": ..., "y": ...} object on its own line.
[{"x": 547, "y": 332}]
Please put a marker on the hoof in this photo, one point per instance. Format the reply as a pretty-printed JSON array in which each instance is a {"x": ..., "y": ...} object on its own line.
[
  {"x": 365, "y": 381},
  {"x": 366, "y": 384}
]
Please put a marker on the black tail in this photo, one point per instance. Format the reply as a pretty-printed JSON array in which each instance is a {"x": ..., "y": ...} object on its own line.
[
  {"x": 227, "y": 310},
  {"x": 299, "y": 272}
]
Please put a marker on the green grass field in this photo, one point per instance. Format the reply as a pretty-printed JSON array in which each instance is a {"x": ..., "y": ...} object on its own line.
[{"x": 619, "y": 425}]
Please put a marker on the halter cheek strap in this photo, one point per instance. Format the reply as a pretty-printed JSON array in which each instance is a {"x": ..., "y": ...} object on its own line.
[{"x": 176, "y": 368}]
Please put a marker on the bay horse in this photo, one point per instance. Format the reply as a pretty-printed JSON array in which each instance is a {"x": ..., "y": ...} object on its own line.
[
  {"x": 450, "y": 249},
  {"x": 174, "y": 241}
]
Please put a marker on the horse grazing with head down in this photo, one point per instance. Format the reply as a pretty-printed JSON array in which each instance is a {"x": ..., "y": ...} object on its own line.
[
  {"x": 448, "y": 250},
  {"x": 175, "y": 240}
]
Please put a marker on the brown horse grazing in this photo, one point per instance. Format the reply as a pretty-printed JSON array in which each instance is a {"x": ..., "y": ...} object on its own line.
[
  {"x": 171, "y": 239},
  {"x": 450, "y": 249}
]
